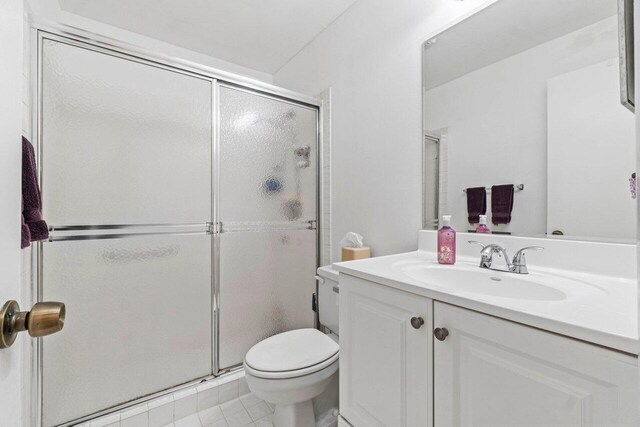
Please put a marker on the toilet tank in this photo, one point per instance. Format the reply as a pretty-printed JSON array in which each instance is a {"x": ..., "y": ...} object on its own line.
[{"x": 328, "y": 297}]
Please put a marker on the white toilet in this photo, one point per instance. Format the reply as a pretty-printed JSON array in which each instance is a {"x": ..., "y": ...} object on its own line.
[{"x": 292, "y": 368}]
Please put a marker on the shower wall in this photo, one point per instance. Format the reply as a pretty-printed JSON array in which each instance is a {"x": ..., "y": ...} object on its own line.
[{"x": 183, "y": 224}]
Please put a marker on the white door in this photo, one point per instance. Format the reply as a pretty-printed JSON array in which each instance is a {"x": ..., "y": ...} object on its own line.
[
  {"x": 492, "y": 372},
  {"x": 385, "y": 362},
  {"x": 13, "y": 359}
]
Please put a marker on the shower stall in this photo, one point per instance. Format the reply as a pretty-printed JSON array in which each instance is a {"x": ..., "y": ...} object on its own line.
[{"x": 183, "y": 215}]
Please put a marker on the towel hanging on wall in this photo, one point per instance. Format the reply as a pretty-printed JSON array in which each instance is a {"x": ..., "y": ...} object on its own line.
[
  {"x": 501, "y": 203},
  {"x": 33, "y": 226},
  {"x": 476, "y": 203}
]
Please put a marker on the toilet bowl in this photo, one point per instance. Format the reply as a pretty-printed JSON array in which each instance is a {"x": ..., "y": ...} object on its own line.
[
  {"x": 289, "y": 370},
  {"x": 292, "y": 368}
]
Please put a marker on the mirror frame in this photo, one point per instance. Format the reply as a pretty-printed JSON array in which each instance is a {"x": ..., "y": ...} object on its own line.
[{"x": 626, "y": 49}]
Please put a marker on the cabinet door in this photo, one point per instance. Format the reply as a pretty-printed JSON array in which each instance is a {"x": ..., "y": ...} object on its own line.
[
  {"x": 492, "y": 372},
  {"x": 385, "y": 363}
]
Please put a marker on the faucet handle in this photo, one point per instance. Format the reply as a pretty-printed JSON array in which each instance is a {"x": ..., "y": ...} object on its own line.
[
  {"x": 520, "y": 253},
  {"x": 519, "y": 261},
  {"x": 475, "y": 242}
]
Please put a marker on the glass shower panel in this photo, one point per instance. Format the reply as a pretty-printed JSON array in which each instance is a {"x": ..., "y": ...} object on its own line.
[
  {"x": 267, "y": 280},
  {"x": 268, "y": 211},
  {"x": 123, "y": 142},
  {"x": 268, "y": 157},
  {"x": 139, "y": 320}
]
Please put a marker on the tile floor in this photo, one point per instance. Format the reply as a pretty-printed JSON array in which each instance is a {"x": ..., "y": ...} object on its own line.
[{"x": 247, "y": 410}]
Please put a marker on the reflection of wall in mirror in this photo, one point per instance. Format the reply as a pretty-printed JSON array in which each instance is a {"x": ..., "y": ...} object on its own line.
[
  {"x": 497, "y": 122},
  {"x": 591, "y": 155}
]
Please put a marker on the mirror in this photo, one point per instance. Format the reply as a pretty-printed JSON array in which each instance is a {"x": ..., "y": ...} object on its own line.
[{"x": 528, "y": 94}]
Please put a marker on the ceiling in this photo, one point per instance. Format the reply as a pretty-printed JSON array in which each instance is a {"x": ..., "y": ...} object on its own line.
[
  {"x": 505, "y": 29},
  {"x": 259, "y": 34}
]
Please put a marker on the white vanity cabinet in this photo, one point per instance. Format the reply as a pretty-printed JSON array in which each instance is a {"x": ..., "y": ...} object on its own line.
[
  {"x": 482, "y": 371},
  {"x": 493, "y": 372},
  {"x": 385, "y": 358}
]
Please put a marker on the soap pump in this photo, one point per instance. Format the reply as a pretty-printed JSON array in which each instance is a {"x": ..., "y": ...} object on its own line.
[
  {"x": 446, "y": 242},
  {"x": 482, "y": 227}
]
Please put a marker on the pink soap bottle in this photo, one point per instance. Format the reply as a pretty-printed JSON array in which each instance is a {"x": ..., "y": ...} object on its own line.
[
  {"x": 482, "y": 227},
  {"x": 446, "y": 242}
]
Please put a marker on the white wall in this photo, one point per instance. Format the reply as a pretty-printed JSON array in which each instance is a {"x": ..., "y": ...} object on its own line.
[
  {"x": 12, "y": 360},
  {"x": 371, "y": 59},
  {"x": 591, "y": 155}
]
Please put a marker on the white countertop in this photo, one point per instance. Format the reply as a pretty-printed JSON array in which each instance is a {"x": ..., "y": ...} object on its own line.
[{"x": 607, "y": 317}]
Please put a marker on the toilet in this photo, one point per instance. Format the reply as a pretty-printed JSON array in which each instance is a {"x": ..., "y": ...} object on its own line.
[{"x": 292, "y": 368}]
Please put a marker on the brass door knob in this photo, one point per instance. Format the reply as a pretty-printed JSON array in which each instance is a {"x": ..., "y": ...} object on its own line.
[
  {"x": 417, "y": 322},
  {"x": 441, "y": 334},
  {"x": 45, "y": 318}
]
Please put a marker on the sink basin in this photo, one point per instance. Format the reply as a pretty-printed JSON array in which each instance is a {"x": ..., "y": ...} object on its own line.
[{"x": 467, "y": 278}]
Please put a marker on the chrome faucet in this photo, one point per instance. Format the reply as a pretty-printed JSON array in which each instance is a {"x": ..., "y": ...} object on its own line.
[{"x": 519, "y": 264}]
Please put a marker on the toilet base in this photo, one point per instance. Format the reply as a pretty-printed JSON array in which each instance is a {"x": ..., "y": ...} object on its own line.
[{"x": 294, "y": 415}]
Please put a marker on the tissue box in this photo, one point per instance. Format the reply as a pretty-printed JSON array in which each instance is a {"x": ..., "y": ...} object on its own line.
[{"x": 350, "y": 254}]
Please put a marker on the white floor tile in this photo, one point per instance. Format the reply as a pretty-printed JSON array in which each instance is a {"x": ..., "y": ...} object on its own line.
[
  {"x": 211, "y": 415},
  {"x": 239, "y": 419},
  {"x": 208, "y": 396},
  {"x": 259, "y": 411},
  {"x": 249, "y": 400},
  {"x": 161, "y": 415},
  {"x": 228, "y": 391},
  {"x": 189, "y": 421},
  {"x": 185, "y": 404},
  {"x": 243, "y": 387},
  {"x": 161, "y": 401},
  {"x": 219, "y": 423},
  {"x": 265, "y": 422},
  {"x": 140, "y": 420},
  {"x": 232, "y": 407}
]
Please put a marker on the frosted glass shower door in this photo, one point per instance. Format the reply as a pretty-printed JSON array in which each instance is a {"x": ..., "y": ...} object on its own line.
[
  {"x": 268, "y": 211},
  {"x": 139, "y": 320},
  {"x": 126, "y": 158}
]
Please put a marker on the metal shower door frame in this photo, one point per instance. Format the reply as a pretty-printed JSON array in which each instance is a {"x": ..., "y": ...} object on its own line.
[{"x": 104, "y": 45}]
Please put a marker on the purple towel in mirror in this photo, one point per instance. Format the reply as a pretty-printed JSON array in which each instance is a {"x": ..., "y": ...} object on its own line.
[
  {"x": 36, "y": 228},
  {"x": 476, "y": 203},
  {"x": 501, "y": 203}
]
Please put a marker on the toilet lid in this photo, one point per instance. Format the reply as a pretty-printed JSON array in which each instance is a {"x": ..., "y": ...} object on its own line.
[{"x": 290, "y": 351}]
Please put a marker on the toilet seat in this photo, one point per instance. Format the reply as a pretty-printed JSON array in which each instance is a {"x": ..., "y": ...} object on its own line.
[{"x": 291, "y": 354}]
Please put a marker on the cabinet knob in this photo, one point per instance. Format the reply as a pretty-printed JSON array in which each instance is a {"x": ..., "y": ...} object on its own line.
[
  {"x": 417, "y": 322},
  {"x": 441, "y": 334}
]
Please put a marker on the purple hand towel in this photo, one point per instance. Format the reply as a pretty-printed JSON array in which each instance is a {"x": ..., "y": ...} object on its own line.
[
  {"x": 34, "y": 228},
  {"x": 476, "y": 203},
  {"x": 25, "y": 234},
  {"x": 501, "y": 203}
]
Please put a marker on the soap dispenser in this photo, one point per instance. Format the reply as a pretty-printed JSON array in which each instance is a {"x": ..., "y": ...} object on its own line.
[
  {"x": 446, "y": 242},
  {"x": 482, "y": 227}
]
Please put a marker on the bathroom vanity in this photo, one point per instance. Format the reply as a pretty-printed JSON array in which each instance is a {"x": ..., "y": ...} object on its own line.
[{"x": 423, "y": 344}]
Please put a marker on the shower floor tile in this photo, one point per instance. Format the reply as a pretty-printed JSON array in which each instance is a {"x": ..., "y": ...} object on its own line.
[{"x": 179, "y": 409}]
